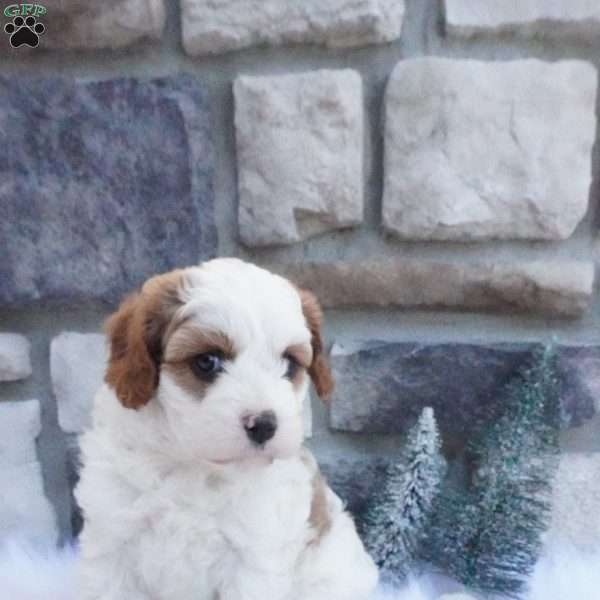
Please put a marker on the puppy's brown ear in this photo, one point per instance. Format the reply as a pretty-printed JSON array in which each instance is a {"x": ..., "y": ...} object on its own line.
[
  {"x": 319, "y": 370},
  {"x": 135, "y": 334}
]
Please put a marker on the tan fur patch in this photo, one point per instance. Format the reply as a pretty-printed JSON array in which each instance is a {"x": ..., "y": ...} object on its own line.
[
  {"x": 319, "y": 370},
  {"x": 136, "y": 334},
  {"x": 302, "y": 354},
  {"x": 319, "y": 515},
  {"x": 182, "y": 374},
  {"x": 187, "y": 342},
  {"x": 319, "y": 518}
]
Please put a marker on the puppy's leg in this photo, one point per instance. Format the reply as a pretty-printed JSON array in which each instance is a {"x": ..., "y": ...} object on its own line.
[
  {"x": 248, "y": 583},
  {"x": 336, "y": 566},
  {"x": 103, "y": 579}
]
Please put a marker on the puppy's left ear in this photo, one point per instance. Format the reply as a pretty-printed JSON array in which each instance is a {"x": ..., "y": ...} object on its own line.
[{"x": 319, "y": 370}]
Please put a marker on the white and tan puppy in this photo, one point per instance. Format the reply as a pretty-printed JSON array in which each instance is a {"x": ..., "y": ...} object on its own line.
[{"x": 195, "y": 484}]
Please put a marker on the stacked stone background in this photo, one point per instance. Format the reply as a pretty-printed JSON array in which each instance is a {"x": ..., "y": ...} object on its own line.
[{"x": 429, "y": 168}]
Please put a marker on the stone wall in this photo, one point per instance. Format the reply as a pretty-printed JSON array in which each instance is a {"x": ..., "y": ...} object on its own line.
[{"x": 428, "y": 168}]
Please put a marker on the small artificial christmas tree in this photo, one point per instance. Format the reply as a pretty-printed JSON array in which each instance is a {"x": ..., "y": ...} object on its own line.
[
  {"x": 397, "y": 515},
  {"x": 489, "y": 537}
]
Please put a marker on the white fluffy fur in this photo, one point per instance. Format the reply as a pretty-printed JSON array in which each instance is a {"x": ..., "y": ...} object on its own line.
[{"x": 180, "y": 505}]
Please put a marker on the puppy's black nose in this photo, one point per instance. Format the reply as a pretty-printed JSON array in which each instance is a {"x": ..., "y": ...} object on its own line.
[{"x": 260, "y": 428}]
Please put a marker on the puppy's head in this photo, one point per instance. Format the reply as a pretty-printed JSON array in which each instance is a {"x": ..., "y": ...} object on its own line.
[{"x": 227, "y": 350}]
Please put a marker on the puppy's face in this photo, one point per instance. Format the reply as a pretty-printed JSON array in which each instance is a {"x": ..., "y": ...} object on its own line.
[{"x": 227, "y": 350}]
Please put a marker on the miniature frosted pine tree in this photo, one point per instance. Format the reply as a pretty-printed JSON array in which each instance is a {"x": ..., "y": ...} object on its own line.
[
  {"x": 398, "y": 513},
  {"x": 489, "y": 537}
]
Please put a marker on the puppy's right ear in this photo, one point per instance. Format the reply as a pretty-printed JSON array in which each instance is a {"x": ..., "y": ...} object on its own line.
[
  {"x": 131, "y": 369},
  {"x": 136, "y": 333}
]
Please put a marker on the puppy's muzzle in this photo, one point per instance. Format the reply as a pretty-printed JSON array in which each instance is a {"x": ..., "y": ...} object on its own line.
[{"x": 260, "y": 428}]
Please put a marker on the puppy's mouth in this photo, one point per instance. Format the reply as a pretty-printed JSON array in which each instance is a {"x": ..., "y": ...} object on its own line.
[
  {"x": 223, "y": 462},
  {"x": 252, "y": 452},
  {"x": 250, "y": 457}
]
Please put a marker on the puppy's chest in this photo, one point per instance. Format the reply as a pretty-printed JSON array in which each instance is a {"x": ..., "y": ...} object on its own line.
[{"x": 214, "y": 524}]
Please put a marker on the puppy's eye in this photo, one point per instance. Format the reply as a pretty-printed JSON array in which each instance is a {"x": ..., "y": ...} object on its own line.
[
  {"x": 293, "y": 366},
  {"x": 207, "y": 365}
]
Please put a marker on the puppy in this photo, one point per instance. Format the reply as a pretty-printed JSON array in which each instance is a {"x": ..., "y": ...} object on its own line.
[{"x": 195, "y": 484}]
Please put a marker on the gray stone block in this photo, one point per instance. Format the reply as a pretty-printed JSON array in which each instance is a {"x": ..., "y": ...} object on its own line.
[
  {"x": 15, "y": 362},
  {"x": 25, "y": 512},
  {"x": 300, "y": 155},
  {"x": 526, "y": 18},
  {"x": 74, "y": 24},
  {"x": 558, "y": 288},
  {"x": 470, "y": 155},
  {"x": 382, "y": 387},
  {"x": 105, "y": 184},
  {"x": 214, "y": 27},
  {"x": 354, "y": 479},
  {"x": 77, "y": 366}
]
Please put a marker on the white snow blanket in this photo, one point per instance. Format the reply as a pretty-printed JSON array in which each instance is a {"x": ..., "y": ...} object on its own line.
[
  {"x": 36, "y": 574},
  {"x": 562, "y": 574},
  {"x": 28, "y": 574}
]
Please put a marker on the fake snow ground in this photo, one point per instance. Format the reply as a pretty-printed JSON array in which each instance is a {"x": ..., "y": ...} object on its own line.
[{"x": 561, "y": 574}]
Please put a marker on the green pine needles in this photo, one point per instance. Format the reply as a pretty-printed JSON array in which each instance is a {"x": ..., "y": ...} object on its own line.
[
  {"x": 489, "y": 536},
  {"x": 398, "y": 514}
]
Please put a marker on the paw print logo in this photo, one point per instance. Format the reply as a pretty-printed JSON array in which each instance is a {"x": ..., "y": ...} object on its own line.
[{"x": 24, "y": 31}]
